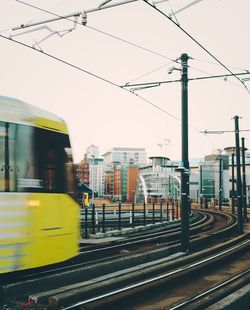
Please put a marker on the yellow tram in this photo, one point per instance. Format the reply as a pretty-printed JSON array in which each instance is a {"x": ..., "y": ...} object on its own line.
[{"x": 39, "y": 217}]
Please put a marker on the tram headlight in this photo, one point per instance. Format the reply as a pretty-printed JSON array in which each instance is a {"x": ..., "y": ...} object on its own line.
[{"x": 33, "y": 203}]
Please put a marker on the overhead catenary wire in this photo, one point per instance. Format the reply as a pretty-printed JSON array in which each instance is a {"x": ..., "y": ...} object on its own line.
[
  {"x": 112, "y": 36},
  {"x": 216, "y": 63},
  {"x": 101, "y": 31},
  {"x": 196, "y": 41},
  {"x": 100, "y": 78},
  {"x": 87, "y": 72},
  {"x": 220, "y": 77},
  {"x": 149, "y": 72},
  {"x": 95, "y": 75},
  {"x": 105, "y": 80}
]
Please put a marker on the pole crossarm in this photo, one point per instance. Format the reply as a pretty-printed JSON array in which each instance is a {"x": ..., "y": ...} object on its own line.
[
  {"x": 159, "y": 83},
  {"x": 219, "y": 132},
  {"x": 74, "y": 14}
]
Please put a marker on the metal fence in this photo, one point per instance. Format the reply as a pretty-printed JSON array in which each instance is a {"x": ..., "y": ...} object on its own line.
[{"x": 116, "y": 217}]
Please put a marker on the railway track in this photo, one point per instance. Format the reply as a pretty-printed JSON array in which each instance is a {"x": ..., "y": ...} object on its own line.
[
  {"x": 97, "y": 252},
  {"x": 181, "y": 287},
  {"x": 91, "y": 275}
]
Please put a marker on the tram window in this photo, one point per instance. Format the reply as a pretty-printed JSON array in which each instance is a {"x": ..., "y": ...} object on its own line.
[
  {"x": 35, "y": 160},
  {"x": 27, "y": 174},
  {"x": 7, "y": 162},
  {"x": 52, "y": 152}
]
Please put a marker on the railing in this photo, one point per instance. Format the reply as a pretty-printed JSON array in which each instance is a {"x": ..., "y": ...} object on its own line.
[{"x": 106, "y": 218}]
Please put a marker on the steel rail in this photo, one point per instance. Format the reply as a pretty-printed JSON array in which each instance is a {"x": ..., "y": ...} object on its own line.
[
  {"x": 167, "y": 233},
  {"x": 163, "y": 276},
  {"x": 150, "y": 237},
  {"x": 194, "y": 226},
  {"x": 51, "y": 288},
  {"x": 171, "y": 233},
  {"x": 211, "y": 290},
  {"x": 203, "y": 222}
]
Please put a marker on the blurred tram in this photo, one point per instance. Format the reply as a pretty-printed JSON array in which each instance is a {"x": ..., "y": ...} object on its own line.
[{"x": 39, "y": 217}]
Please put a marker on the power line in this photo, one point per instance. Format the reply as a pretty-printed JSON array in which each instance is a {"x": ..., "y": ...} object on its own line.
[
  {"x": 59, "y": 60},
  {"x": 133, "y": 44},
  {"x": 157, "y": 107},
  {"x": 100, "y": 31},
  {"x": 98, "y": 77},
  {"x": 92, "y": 74},
  {"x": 216, "y": 64},
  {"x": 149, "y": 72},
  {"x": 114, "y": 37},
  {"x": 87, "y": 72},
  {"x": 197, "y": 42}
]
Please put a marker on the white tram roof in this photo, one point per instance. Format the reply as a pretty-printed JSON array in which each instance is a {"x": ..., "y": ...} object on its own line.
[{"x": 17, "y": 111}]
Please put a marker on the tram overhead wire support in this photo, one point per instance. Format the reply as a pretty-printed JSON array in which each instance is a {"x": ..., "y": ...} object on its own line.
[
  {"x": 243, "y": 149},
  {"x": 83, "y": 14},
  {"x": 171, "y": 69},
  {"x": 185, "y": 201},
  {"x": 84, "y": 18},
  {"x": 238, "y": 170}
]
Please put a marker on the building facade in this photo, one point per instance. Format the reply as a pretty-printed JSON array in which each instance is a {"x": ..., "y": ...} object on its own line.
[
  {"x": 96, "y": 176},
  {"x": 121, "y": 170},
  {"x": 132, "y": 175},
  {"x": 214, "y": 177},
  {"x": 157, "y": 181},
  {"x": 125, "y": 155},
  {"x": 160, "y": 182},
  {"x": 90, "y": 171},
  {"x": 83, "y": 170}
]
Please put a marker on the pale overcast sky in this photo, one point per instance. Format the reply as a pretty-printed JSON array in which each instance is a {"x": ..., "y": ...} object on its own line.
[{"x": 107, "y": 116}]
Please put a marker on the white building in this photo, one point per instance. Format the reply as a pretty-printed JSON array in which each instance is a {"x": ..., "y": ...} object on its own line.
[
  {"x": 159, "y": 181},
  {"x": 92, "y": 150},
  {"x": 96, "y": 176},
  {"x": 125, "y": 155}
]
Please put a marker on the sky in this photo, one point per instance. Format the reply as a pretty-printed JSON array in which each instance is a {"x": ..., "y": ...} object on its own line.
[{"x": 131, "y": 43}]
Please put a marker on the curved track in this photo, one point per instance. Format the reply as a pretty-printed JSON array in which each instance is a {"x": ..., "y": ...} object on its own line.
[{"x": 98, "y": 261}]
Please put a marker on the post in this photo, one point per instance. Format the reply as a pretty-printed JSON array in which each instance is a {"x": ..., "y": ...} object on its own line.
[
  {"x": 167, "y": 218},
  {"x": 119, "y": 218},
  {"x": 161, "y": 217},
  {"x": 93, "y": 161},
  {"x": 103, "y": 218},
  {"x": 239, "y": 185},
  {"x": 172, "y": 210},
  {"x": 144, "y": 213},
  {"x": 133, "y": 214},
  {"x": 185, "y": 202},
  {"x": 153, "y": 213},
  {"x": 233, "y": 188},
  {"x": 244, "y": 193},
  {"x": 86, "y": 223},
  {"x": 93, "y": 218},
  {"x": 201, "y": 193},
  {"x": 220, "y": 183}
]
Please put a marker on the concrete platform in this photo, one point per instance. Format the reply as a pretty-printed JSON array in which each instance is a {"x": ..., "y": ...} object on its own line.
[
  {"x": 100, "y": 240},
  {"x": 235, "y": 301}
]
